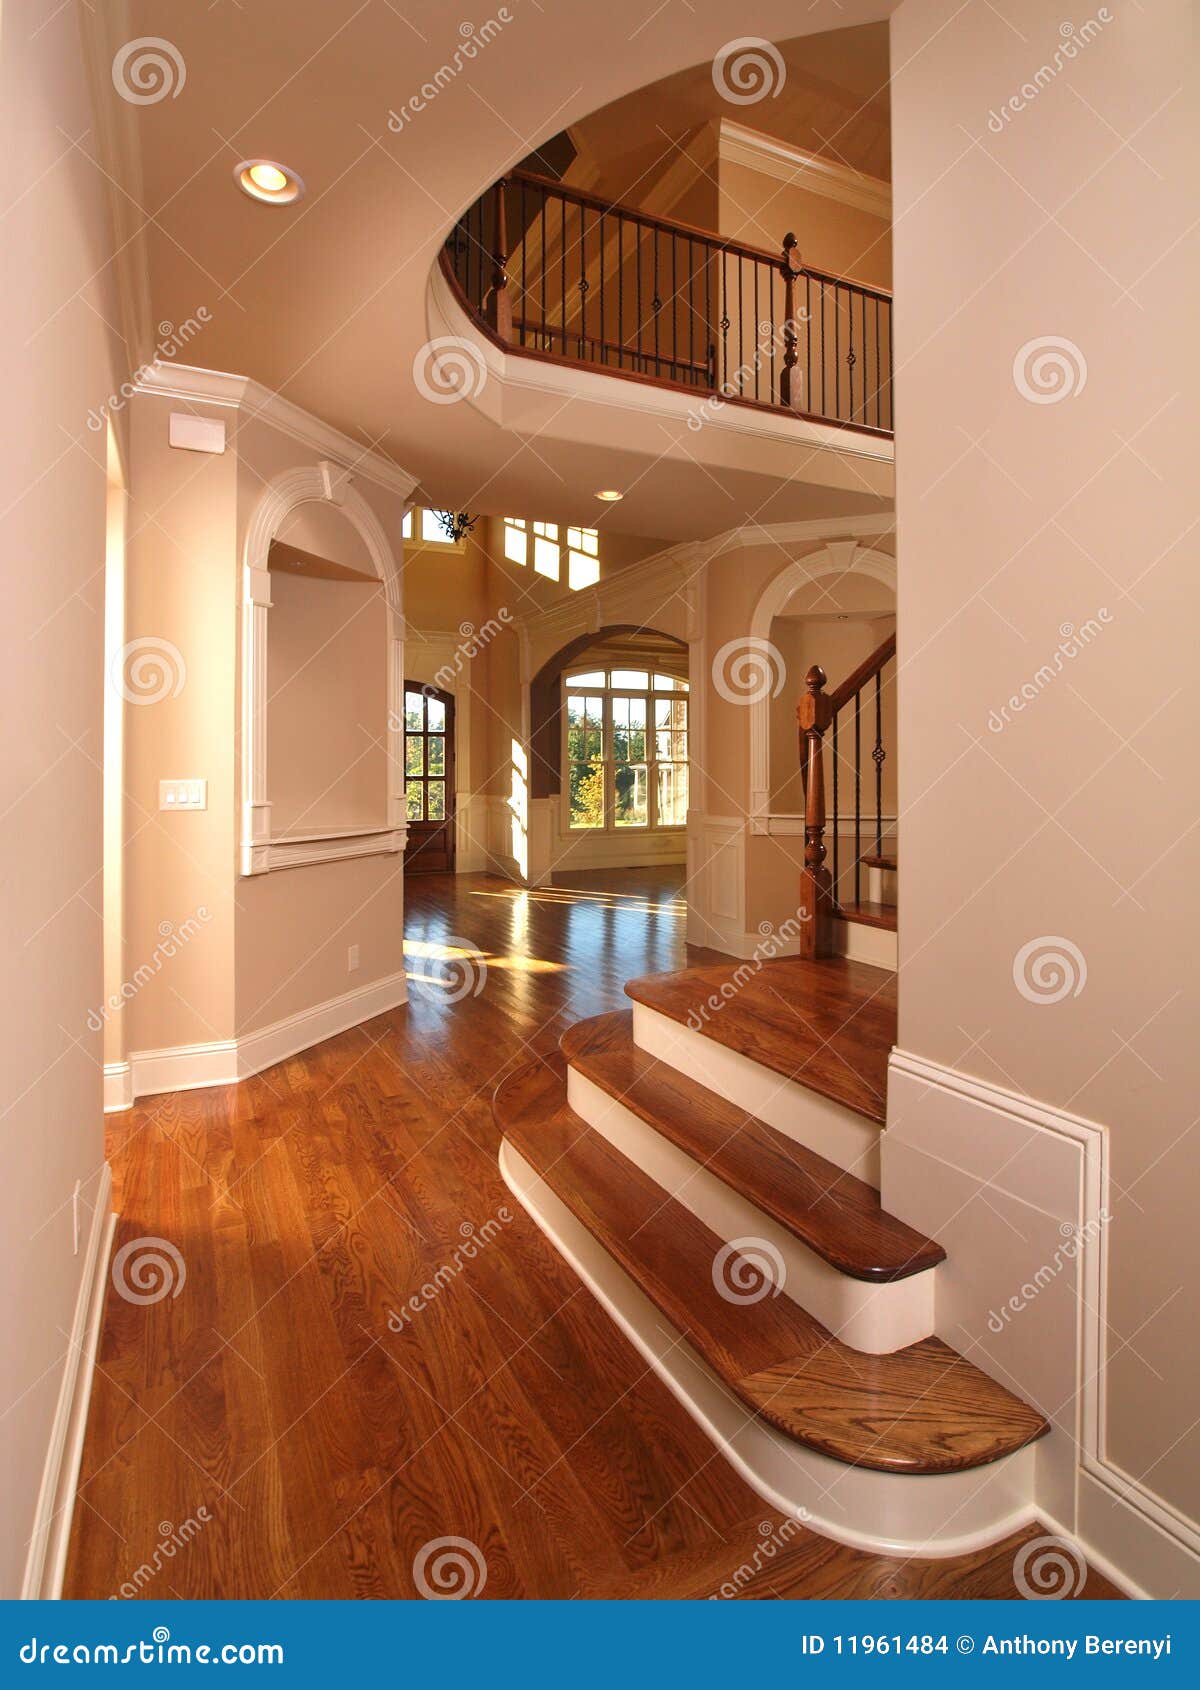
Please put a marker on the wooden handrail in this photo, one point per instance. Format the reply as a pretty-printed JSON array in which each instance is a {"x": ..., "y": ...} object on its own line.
[
  {"x": 858, "y": 678},
  {"x": 674, "y": 225}
]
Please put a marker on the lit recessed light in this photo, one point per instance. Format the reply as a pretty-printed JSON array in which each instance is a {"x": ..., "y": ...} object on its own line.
[
  {"x": 609, "y": 495},
  {"x": 269, "y": 182}
]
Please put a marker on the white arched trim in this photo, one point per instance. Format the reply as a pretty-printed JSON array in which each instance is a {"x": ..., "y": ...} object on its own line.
[
  {"x": 838, "y": 557},
  {"x": 323, "y": 483}
]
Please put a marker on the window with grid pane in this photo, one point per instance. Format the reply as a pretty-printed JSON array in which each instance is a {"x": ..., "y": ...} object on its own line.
[
  {"x": 626, "y": 750},
  {"x": 424, "y": 757}
]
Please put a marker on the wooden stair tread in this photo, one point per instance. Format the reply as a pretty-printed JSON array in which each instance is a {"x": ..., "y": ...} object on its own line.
[
  {"x": 828, "y": 1025},
  {"x": 836, "y": 1215},
  {"x": 924, "y": 1409},
  {"x": 877, "y": 861},
  {"x": 870, "y": 915}
]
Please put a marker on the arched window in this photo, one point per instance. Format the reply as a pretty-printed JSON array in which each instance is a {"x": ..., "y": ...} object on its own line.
[{"x": 625, "y": 750}]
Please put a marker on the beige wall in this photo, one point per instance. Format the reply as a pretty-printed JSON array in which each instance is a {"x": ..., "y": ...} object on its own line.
[
  {"x": 327, "y": 663},
  {"x": 182, "y": 591},
  {"x": 1071, "y": 820},
  {"x": 841, "y": 239},
  {"x": 62, "y": 363}
]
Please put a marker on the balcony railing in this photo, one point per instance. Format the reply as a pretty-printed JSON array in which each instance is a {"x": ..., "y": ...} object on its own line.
[{"x": 562, "y": 275}]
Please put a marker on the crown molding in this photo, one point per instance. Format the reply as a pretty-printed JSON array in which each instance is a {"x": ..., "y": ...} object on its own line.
[
  {"x": 782, "y": 163},
  {"x": 253, "y": 401}
]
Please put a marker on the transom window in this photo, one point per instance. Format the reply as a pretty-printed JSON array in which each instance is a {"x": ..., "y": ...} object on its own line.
[
  {"x": 422, "y": 527},
  {"x": 425, "y": 765},
  {"x": 546, "y": 545},
  {"x": 625, "y": 749}
]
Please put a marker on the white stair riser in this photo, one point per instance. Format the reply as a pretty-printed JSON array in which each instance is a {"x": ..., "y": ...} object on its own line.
[
  {"x": 829, "y": 1128},
  {"x": 938, "y": 1514},
  {"x": 877, "y": 1318},
  {"x": 860, "y": 942},
  {"x": 881, "y": 886}
]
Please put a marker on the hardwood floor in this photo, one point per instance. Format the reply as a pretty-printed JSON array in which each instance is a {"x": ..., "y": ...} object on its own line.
[{"x": 370, "y": 1346}]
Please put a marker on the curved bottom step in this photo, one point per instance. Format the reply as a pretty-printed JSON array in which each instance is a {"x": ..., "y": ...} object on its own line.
[{"x": 929, "y": 1514}]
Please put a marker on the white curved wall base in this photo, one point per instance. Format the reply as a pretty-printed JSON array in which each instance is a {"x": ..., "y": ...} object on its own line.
[
  {"x": 946, "y": 1514},
  {"x": 876, "y": 1318},
  {"x": 827, "y": 1127}
]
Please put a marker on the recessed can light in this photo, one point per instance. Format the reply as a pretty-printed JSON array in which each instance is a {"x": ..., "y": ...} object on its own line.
[
  {"x": 268, "y": 182},
  {"x": 609, "y": 495}
]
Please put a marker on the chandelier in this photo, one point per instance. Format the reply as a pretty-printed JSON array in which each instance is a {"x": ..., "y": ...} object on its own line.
[{"x": 455, "y": 525}]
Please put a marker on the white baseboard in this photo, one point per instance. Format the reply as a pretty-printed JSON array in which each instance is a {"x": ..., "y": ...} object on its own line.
[
  {"x": 46, "y": 1561},
  {"x": 118, "y": 1086},
  {"x": 860, "y": 942},
  {"x": 268, "y": 1045},
  {"x": 226, "y": 1061},
  {"x": 1001, "y": 1180}
]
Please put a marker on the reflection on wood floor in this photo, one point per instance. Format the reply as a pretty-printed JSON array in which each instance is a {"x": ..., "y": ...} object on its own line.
[{"x": 371, "y": 1347}]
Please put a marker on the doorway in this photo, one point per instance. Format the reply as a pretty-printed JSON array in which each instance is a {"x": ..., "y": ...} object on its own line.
[{"x": 428, "y": 779}]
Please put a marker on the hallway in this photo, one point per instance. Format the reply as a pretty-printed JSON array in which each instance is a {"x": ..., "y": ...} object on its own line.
[{"x": 368, "y": 1346}]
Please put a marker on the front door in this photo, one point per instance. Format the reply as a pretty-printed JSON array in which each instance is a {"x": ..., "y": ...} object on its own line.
[{"x": 429, "y": 779}]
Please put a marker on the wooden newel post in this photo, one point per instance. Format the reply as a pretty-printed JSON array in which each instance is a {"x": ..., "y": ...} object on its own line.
[
  {"x": 500, "y": 312},
  {"x": 791, "y": 268},
  {"x": 814, "y": 714}
]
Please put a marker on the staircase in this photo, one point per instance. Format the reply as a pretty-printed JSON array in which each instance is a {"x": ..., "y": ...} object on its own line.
[
  {"x": 708, "y": 1162},
  {"x": 853, "y": 902}
]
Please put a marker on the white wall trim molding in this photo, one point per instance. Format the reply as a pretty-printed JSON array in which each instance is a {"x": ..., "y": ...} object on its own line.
[
  {"x": 265, "y": 1046},
  {"x": 254, "y": 401},
  {"x": 327, "y": 482},
  {"x": 118, "y": 1087},
  {"x": 226, "y": 1061},
  {"x": 736, "y": 144},
  {"x": 47, "y": 1557},
  {"x": 843, "y": 556},
  {"x": 1150, "y": 1544}
]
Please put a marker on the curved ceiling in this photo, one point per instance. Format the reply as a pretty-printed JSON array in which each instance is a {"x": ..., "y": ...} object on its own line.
[{"x": 325, "y": 301}]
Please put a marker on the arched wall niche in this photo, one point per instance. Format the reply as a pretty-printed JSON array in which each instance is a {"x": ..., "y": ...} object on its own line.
[
  {"x": 317, "y": 504},
  {"x": 847, "y": 558}
]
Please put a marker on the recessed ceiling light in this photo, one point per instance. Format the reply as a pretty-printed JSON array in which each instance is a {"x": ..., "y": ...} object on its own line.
[
  {"x": 609, "y": 495},
  {"x": 273, "y": 184}
]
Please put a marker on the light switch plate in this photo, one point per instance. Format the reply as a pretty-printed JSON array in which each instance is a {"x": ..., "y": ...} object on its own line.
[{"x": 183, "y": 795}]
